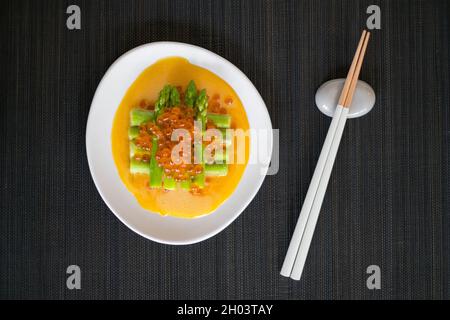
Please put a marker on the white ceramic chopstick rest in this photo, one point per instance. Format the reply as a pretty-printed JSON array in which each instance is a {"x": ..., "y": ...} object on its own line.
[{"x": 327, "y": 97}]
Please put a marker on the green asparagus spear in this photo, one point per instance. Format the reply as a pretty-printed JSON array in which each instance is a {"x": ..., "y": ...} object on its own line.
[
  {"x": 169, "y": 183},
  {"x": 185, "y": 184},
  {"x": 199, "y": 180},
  {"x": 155, "y": 170},
  {"x": 139, "y": 167},
  {"x": 174, "y": 97},
  {"x": 216, "y": 170},
  {"x": 163, "y": 100},
  {"x": 220, "y": 120},
  {"x": 134, "y": 149},
  {"x": 201, "y": 106},
  {"x": 139, "y": 116},
  {"x": 191, "y": 94},
  {"x": 133, "y": 132},
  {"x": 221, "y": 155},
  {"x": 226, "y": 138}
]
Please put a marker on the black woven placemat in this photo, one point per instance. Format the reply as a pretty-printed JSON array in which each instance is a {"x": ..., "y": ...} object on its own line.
[{"x": 388, "y": 199}]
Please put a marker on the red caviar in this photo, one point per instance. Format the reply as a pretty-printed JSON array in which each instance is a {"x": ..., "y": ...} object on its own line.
[{"x": 178, "y": 117}]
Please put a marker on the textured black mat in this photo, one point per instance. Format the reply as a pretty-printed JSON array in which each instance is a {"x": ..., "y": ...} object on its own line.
[{"x": 388, "y": 199}]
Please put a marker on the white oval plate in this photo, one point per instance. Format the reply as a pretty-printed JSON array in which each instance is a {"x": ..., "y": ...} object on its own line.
[{"x": 112, "y": 88}]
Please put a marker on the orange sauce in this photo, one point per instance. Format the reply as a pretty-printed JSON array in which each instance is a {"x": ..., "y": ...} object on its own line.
[{"x": 180, "y": 203}]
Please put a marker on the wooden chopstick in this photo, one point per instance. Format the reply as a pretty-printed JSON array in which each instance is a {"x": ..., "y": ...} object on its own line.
[
  {"x": 351, "y": 71},
  {"x": 342, "y": 112},
  {"x": 301, "y": 239},
  {"x": 351, "y": 91}
]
